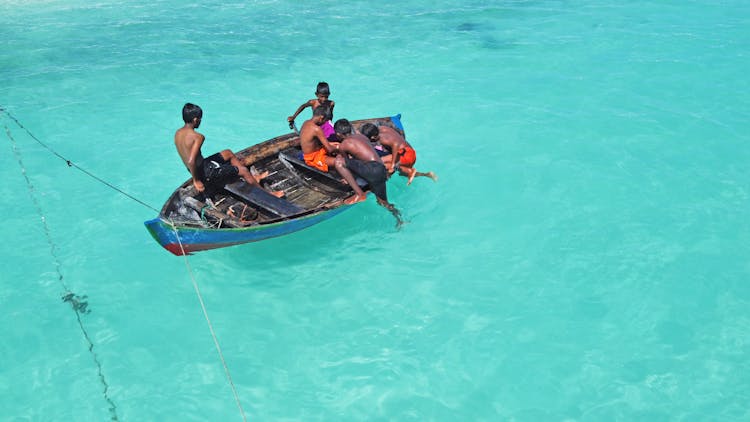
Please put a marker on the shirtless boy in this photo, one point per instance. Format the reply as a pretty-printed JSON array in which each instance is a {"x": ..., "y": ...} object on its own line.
[
  {"x": 402, "y": 154},
  {"x": 361, "y": 159},
  {"x": 322, "y": 92},
  {"x": 214, "y": 170},
  {"x": 318, "y": 152}
]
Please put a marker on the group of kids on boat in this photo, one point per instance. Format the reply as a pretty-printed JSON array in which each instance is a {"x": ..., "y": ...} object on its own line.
[{"x": 374, "y": 154}]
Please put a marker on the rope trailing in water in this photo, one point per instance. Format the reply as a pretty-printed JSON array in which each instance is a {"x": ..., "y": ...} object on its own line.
[
  {"x": 74, "y": 165},
  {"x": 81, "y": 306},
  {"x": 208, "y": 321},
  {"x": 78, "y": 303}
]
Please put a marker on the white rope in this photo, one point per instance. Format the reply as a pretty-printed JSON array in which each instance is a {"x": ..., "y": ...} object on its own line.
[
  {"x": 74, "y": 299},
  {"x": 208, "y": 321},
  {"x": 80, "y": 307}
]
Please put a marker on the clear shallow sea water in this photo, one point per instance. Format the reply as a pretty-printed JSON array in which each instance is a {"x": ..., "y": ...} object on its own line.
[{"x": 584, "y": 256}]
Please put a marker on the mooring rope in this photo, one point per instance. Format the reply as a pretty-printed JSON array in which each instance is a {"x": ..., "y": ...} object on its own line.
[
  {"x": 74, "y": 165},
  {"x": 78, "y": 303},
  {"x": 208, "y": 321}
]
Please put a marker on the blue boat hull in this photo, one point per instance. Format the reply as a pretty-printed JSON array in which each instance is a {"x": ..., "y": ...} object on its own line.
[{"x": 185, "y": 240}]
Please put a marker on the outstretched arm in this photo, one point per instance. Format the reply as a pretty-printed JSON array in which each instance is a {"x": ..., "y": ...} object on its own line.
[
  {"x": 395, "y": 148},
  {"x": 331, "y": 147},
  {"x": 395, "y": 159},
  {"x": 299, "y": 110}
]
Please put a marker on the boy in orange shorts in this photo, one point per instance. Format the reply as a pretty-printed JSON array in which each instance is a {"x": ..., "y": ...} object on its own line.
[
  {"x": 318, "y": 152},
  {"x": 316, "y": 149}
]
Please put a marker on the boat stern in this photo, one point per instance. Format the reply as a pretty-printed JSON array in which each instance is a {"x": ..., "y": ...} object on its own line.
[{"x": 165, "y": 235}]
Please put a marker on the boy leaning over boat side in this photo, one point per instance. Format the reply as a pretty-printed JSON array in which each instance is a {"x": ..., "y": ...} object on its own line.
[
  {"x": 362, "y": 159},
  {"x": 214, "y": 170},
  {"x": 322, "y": 92},
  {"x": 401, "y": 153}
]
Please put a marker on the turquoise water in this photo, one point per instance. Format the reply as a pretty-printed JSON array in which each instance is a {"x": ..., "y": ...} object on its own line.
[{"x": 584, "y": 256}]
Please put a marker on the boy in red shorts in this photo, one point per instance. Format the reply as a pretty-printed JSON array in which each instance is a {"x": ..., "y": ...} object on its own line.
[{"x": 401, "y": 153}]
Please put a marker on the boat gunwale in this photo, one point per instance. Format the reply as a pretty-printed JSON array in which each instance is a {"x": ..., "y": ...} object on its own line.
[{"x": 248, "y": 156}]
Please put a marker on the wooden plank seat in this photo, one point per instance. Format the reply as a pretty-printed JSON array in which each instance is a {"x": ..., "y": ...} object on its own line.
[
  {"x": 295, "y": 158},
  {"x": 203, "y": 208},
  {"x": 261, "y": 198}
]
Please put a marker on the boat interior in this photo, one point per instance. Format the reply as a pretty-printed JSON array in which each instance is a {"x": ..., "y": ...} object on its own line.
[{"x": 239, "y": 204}]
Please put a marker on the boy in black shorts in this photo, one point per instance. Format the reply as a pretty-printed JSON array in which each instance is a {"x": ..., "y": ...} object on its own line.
[
  {"x": 215, "y": 170},
  {"x": 360, "y": 157}
]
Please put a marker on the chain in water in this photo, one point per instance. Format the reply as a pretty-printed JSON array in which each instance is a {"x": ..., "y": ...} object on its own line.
[{"x": 78, "y": 303}]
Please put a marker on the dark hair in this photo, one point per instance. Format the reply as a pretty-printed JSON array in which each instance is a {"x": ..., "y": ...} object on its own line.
[
  {"x": 343, "y": 127},
  {"x": 191, "y": 111},
  {"x": 329, "y": 111},
  {"x": 369, "y": 130},
  {"x": 323, "y": 89},
  {"x": 321, "y": 111}
]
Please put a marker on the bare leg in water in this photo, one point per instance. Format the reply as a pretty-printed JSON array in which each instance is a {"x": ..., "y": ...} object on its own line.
[
  {"x": 411, "y": 173},
  {"x": 395, "y": 212}
]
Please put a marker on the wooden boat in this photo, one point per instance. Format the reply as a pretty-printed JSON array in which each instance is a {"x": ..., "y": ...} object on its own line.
[{"x": 241, "y": 213}]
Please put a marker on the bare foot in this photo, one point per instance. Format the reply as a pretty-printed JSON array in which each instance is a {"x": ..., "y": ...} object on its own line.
[
  {"x": 354, "y": 199},
  {"x": 432, "y": 176},
  {"x": 260, "y": 176},
  {"x": 412, "y": 175}
]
